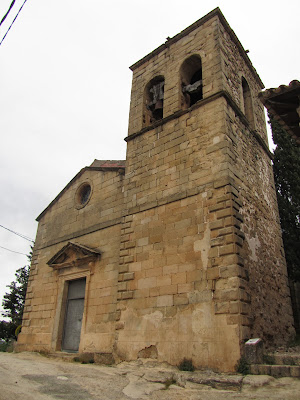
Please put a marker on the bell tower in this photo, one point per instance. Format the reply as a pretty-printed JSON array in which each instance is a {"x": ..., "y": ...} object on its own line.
[{"x": 202, "y": 266}]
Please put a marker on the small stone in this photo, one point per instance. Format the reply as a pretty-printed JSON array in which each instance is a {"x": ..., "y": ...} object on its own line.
[
  {"x": 62, "y": 378},
  {"x": 257, "y": 380}
]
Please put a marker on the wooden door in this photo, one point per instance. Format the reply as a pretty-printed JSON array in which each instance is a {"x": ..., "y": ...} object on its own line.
[{"x": 73, "y": 316}]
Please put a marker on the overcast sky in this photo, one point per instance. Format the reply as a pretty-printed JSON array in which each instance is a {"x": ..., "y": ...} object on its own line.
[{"x": 65, "y": 87}]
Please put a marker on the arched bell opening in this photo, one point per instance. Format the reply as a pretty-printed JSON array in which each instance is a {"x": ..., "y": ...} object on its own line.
[
  {"x": 154, "y": 101},
  {"x": 191, "y": 84}
]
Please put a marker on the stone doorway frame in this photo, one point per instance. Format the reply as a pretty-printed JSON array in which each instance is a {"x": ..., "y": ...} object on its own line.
[
  {"x": 60, "y": 312},
  {"x": 72, "y": 262}
]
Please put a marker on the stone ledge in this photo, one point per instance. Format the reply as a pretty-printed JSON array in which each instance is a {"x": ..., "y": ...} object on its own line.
[{"x": 277, "y": 371}]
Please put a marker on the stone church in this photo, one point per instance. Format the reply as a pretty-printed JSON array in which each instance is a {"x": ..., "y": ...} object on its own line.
[{"x": 175, "y": 252}]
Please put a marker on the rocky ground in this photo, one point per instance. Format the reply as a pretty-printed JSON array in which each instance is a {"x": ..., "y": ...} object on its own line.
[{"x": 32, "y": 376}]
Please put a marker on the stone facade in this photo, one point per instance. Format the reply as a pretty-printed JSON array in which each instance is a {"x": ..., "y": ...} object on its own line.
[{"x": 181, "y": 249}]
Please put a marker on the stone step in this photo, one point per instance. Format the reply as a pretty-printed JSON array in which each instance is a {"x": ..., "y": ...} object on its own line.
[
  {"x": 286, "y": 358},
  {"x": 63, "y": 356},
  {"x": 277, "y": 371}
]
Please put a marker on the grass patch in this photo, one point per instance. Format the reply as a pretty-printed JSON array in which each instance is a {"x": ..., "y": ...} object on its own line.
[{"x": 169, "y": 382}]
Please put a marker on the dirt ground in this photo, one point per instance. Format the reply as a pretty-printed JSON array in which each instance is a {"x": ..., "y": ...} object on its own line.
[{"x": 31, "y": 376}]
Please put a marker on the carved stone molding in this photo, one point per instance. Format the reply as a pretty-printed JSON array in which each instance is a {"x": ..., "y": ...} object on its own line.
[{"x": 74, "y": 255}]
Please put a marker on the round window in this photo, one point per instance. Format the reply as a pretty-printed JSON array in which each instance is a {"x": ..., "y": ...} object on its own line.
[{"x": 83, "y": 195}]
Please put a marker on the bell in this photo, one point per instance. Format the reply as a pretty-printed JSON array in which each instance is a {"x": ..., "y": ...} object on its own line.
[{"x": 158, "y": 105}]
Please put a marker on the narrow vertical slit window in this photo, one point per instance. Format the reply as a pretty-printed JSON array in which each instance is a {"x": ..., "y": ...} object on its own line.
[{"x": 247, "y": 103}]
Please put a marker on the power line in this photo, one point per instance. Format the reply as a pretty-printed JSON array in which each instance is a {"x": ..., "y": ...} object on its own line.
[
  {"x": 10, "y": 7},
  {"x": 18, "y": 234},
  {"x": 17, "y": 252},
  {"x": 13, "y": 22}
]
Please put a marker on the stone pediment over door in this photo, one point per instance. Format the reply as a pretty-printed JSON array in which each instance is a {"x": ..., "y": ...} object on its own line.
[{"x": 73, "y": 255}]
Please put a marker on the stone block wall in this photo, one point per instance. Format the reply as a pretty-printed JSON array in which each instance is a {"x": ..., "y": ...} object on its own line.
[
  {"x": 175, "y": 158},
  {"x": 270, "y": 316},
  {"x": 235, "y": 65},
  {"x": 96, "y": 226},
  {"x": 186, "y": 293}
]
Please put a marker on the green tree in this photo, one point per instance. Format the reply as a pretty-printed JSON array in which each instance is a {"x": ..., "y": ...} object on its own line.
[
  {"x": 13, "y": 301},
  {"x": 287, "y": 182},
  {"x": 7, "y": 331}
]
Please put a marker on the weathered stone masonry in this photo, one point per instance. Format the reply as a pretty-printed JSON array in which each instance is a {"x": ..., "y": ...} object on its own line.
[{"x": 190, "y": 261}]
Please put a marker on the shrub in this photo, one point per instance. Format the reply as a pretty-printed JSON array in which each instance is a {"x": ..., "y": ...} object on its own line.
[
  {"x": 3, "y": 346},
  {"x": 186, "y": 365},
  {"x": 242, "y": 367}
]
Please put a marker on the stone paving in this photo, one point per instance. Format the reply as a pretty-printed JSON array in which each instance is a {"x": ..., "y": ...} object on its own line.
[{"x": 33, "y": 376}]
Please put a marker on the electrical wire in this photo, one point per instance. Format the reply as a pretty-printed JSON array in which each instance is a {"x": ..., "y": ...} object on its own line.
[
  {"x": 12, "y": 22},
  {"x": 17, "y": 252},
  {"x": 10, "y": 7},
  {"x": 18, "y": 234}
]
